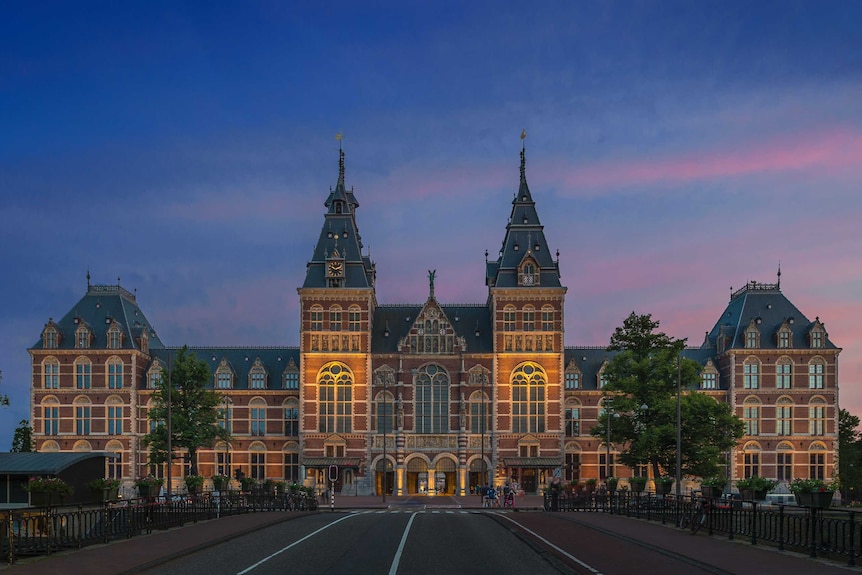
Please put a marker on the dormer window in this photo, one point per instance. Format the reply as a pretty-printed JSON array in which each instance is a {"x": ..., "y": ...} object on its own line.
[
  {"x": 602, "y": 378},
  {"x": 817, "y": 335},
  {"x": 154, "y": 376},
  {"x": 709, "y": 376},
  {"x": 82, "y": 337},
  {"x": 257, "y": 376},
  {"x": 573, "y": 376},
  {"x": 752, "y": 336},
  {"x": 223, "y": 376},
  {"x": 115, "y": 337},
  {"x": 50, "y": 336},
  {"x": 785, "y": 336},
  {"x": 528, "y": 274}
]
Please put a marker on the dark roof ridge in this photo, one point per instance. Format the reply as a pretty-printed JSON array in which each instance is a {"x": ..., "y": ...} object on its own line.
[{"x": 268, "y": 347}]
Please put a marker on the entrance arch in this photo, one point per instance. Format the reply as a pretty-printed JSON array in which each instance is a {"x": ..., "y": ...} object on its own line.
[
  {"x": 417, "y": 475},
  {"x": 445, "y": 475}
]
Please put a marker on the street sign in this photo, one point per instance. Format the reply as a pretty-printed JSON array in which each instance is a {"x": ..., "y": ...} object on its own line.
[{"x": 333, "y": 473}]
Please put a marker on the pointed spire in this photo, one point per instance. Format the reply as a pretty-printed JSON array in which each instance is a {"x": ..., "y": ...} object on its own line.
[
  {"x": 779, "y": 274},
  {"x": 340, "y": 167},
  {"x": 88, "y": 278}
]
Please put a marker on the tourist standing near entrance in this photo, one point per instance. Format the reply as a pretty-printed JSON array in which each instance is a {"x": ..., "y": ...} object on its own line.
[{"x": 555, "y": 493}]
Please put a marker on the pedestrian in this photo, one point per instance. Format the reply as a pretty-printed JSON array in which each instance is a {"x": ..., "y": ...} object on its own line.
[{"x": 555, "y": 493}]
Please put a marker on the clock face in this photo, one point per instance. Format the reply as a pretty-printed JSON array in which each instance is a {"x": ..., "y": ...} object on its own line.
[{"x": 335, "y": 268}]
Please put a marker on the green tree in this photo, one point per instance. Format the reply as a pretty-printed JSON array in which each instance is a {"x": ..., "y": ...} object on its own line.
[
  {"x": 640, "y": 399},
  {"x": 22, "y": 441},
  {"x": 194, "y": 410},
  {"x": 4, "y": 399},
  {"x": 849, "y": 455}
]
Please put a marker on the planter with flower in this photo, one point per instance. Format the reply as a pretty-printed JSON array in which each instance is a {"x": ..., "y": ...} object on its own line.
[
  {"x": 194, "y": 483},
  {"x": 813, "y": 492},
  {"x": 220, "y": 482},
  {"x": 47, "y": 491},
  {"x": 612, "y": 483},
  {"x": 755, "y": 488},
  {"x": 105, "y": 489},
  {"x": 663, "y": 485},
  {"x": 637, "y": 484},
  {"x": 713, "y": 486},
  {"x": 149, "y": 486},
  {"x": 590, "y": 485},
  {"x": 247, "y": 484}
]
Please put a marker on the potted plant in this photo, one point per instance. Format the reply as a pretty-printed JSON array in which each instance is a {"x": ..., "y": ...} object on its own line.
[
  {"x": 220, "y": 482},
  {"x": 280, "y": 487},
  {"x": 713, "y": 486},
  {"x": 813, "y": 492},
  {"x": 612, "y": 483},
  {"x": 194, "y": 483},
  {"x": 590, "y": 485},
  {"x": 149, "y": 486},
  {"x": 47, "y": 491},
  {"x": 754, "y": 488},
  {"x": 269, "y": 486},
  {"x": 105, "y": 489},
  {"x": 247, "y": 484},
  {"x": 663, "y": 484},
  {"x": 638, "y": 484}
]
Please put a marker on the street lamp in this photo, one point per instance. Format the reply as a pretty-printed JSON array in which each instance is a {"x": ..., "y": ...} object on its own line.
[
  {"x": 608, "y": 447},
  {"x": 385, "y": 424},
  {"x": 226, "y": 463},
  {"x": 482, "y": 422},
  {"x": 678, "y": 476}
]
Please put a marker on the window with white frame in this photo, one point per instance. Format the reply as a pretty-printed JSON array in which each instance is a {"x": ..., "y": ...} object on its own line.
[
  {"x": 751, "y": 415},
  {"x": 528, "y": 398},
  {"x": 82, "y": 416},
  {"x": 115, "y": 373},
  {"x": 784, "y": 373},
  {"x": 817, "y": 462},
  {"x": 335, "y": 318},
  {"x": 316, "y": 318},
  {"x": 51, "y": 373},
  {"x": 528, "y": 322},
  {"x": 751, "y": 373},
  {"x": 751, "y": 462},
  {"x": 784, "y": 416},
  {"x": 83, "y": 373},
  {"x": 509, "y": 318},
  {"x": 432, "y": 399},
  {"x": 784, "y": 462},
  {"x": 51, "y": 416},
  {"x": 354, "y": 318},
  {"x": 815, "y": 373},
  {"x": 335, "y": 385},
  {"x": 257, "y": 414},
  {"x": 817, "y": 416}
]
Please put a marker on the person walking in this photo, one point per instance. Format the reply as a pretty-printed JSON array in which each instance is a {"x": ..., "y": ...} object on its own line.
[{"x": 556, "y": 487}]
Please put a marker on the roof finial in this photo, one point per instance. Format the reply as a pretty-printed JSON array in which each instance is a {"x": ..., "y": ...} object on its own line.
[
  {"x": 431, "y": 275},
  {"x": 339, "y": 136},
  {"x": 523, "y": 158},
  {"x": 779, "y": 274},
  {"x": 88, "y": 277}
]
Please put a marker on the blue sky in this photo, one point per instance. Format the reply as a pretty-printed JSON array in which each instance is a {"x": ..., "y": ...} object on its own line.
[{"x": 674, "y": 149}]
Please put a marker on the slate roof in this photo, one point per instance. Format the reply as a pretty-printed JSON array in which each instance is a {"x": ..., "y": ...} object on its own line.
[
  {"x": 340, "y": 235},
  {"x": 44, "y": 463},
  {"x": 525, "y": 237},
  {"x": 466, "y": 320},
  {"x": 240, "y": 359},
  {"x": 102, "y": 305},
  {"x": 769, "y": 308}
]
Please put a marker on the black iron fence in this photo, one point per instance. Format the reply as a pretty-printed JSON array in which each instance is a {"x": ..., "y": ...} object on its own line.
[
  {"x": 831, "y": 533},
  {"x": 41, "y": 531}
]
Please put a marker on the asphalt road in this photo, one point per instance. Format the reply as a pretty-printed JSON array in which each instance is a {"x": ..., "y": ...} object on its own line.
[{"x": 376, "y": 541}]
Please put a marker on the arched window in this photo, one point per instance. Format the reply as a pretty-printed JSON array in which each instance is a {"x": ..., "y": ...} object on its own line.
[
  {"x": 51, "y": 373},
  {"x": 115, "y": 373},
  {"x": 82, "y": 415},
  {"x": 573, "y": 418},
  {"x": 480, "y": 406},
  {"x": 154, "y": 375},
  {"x": 509, "y": 318},
  {"x": 51, "y": 415},
  {"x": 316, "y": 318},
  {"x": 115, "y": 337},
  {"x": 114, "y": 415},
  {"x": 335, "y": 318},
  {"x": 354, "y": 318},
  {"x": 257, "y": 416},
  {"x": 50, "y": 336},
  {"x": 751, "y": 460},
  {"x": 432, "y": 399},
  {"x": 528, "y": 398},
  {"x": 529, "y": 318},
  {"x": 752, "y": 336},
  {"x": 709, "y": 376},
  {"x": 817, "y": 461},
  {"x": 547, "y": 318},
  {"x": 784, "y": 373},
  {"x": 784, "y": 416},
  {"x": 257, "y": 375},
  {"x": 784, "y": 461},
  {"x": 817, "y": 416},
  {"x": 223, "y": 375},
  {"x": 291, "y": 418},
  {"x": 751, "y": 415},
  {"x": 751, "y": 373},
  {"x": 83, "y": 373},
  {"x": 816, "y": 368},
  {"x": 82, "y": 337},
  {"x": 115, "y": 464},
  {"x": 335, "y": 384},
  {"x": 290, "y": 455},
  {"x": 257, "y": 460}
]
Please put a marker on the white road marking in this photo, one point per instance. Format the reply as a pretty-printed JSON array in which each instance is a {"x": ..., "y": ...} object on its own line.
[
  {"x": 394, "y": 568},
  {"x": 265, "y": 559},
  {"x": 540, "y": 538}
]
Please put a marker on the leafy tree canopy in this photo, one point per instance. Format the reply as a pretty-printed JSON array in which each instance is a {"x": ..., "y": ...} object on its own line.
[
  {"x": 194, "y": 410},
  {"x": 22, "y": 441},
  {"x": 640, "y": 401},
  {"x": 4, "y": 399}
]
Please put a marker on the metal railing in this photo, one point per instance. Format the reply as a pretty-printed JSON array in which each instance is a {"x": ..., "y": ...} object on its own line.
[
  {"x": 830, "y": 533},
  {"x": 45, "y": 530}
]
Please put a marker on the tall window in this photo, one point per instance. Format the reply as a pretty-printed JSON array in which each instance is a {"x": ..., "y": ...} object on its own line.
[
  {"x": 708, "y": 380},
  {"x": 751, "y": 416},
  {"x": 51, "y": 417},
  {"x": 83, "y": 374},
  {"x": 114, "y": 338},
  {"x": 784, "y": 464},
  {"x": 783, "y": 373},
  {"x": 316, "y": 318},
  {"x": 155, "y": 376},
  {"x": 257, "y": 411},
  {"x": 529, "y": 322},
  {"x": 291, "y": 466},
  {"x": 752, "y": 338},
  {"x": 223, "y": 459},
  {"x": 817, "y": 465},
  {"x": 115, "y": 419},
  {"x": 335, "y": 384},
  {"x": 817, "y": 416},
  {"x": 573, "y": 466},
  {"x": 115, "y": 465},
  {"x": 82, "y": 338},
  {"x": 817, "y": 339},
  {"x": 335, "y": 318},
  {"x": 784, "y": 338},
  {"x": 479, "y": 406},
  {"x": 604, "y": 463},
  {"x": 383, "y": 411},
  {"x": 573, "y": 380},
  {"x": 258, "y": 378},
  {"x": 528, "y": 398},
  {"x": 115, "y": 374},
  {"x": 815, "y": 374},
  {"x": 751, "y": 373},
  {"x": 82, "y": 419},
  {"x": 258, "y": 465},
  {"x": 784, "y": 416},
  {"x": 751, "y": 463},
  {"x": 52, "y": 374},
  {"x": 291, "y": 420},
  {"x": 432, "y": 400},
  {"x": 547, "y": 318},
  {"x": 354, "y": 315},
  {"x": 573, "y": 421},
  {"x": 49, "y": 339},
  {"x": 225, "y": 417},
  {"x": 509, "y": 318}
]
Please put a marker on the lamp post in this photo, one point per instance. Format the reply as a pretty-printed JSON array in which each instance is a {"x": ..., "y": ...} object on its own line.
[
  {"x": 385, "y": 425},
  {"x": 608, "y": 447},
  {"x": 482, "y": 422},
  {"x": 226, "y": 467},
  {"x": 678, "y": 477}
]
